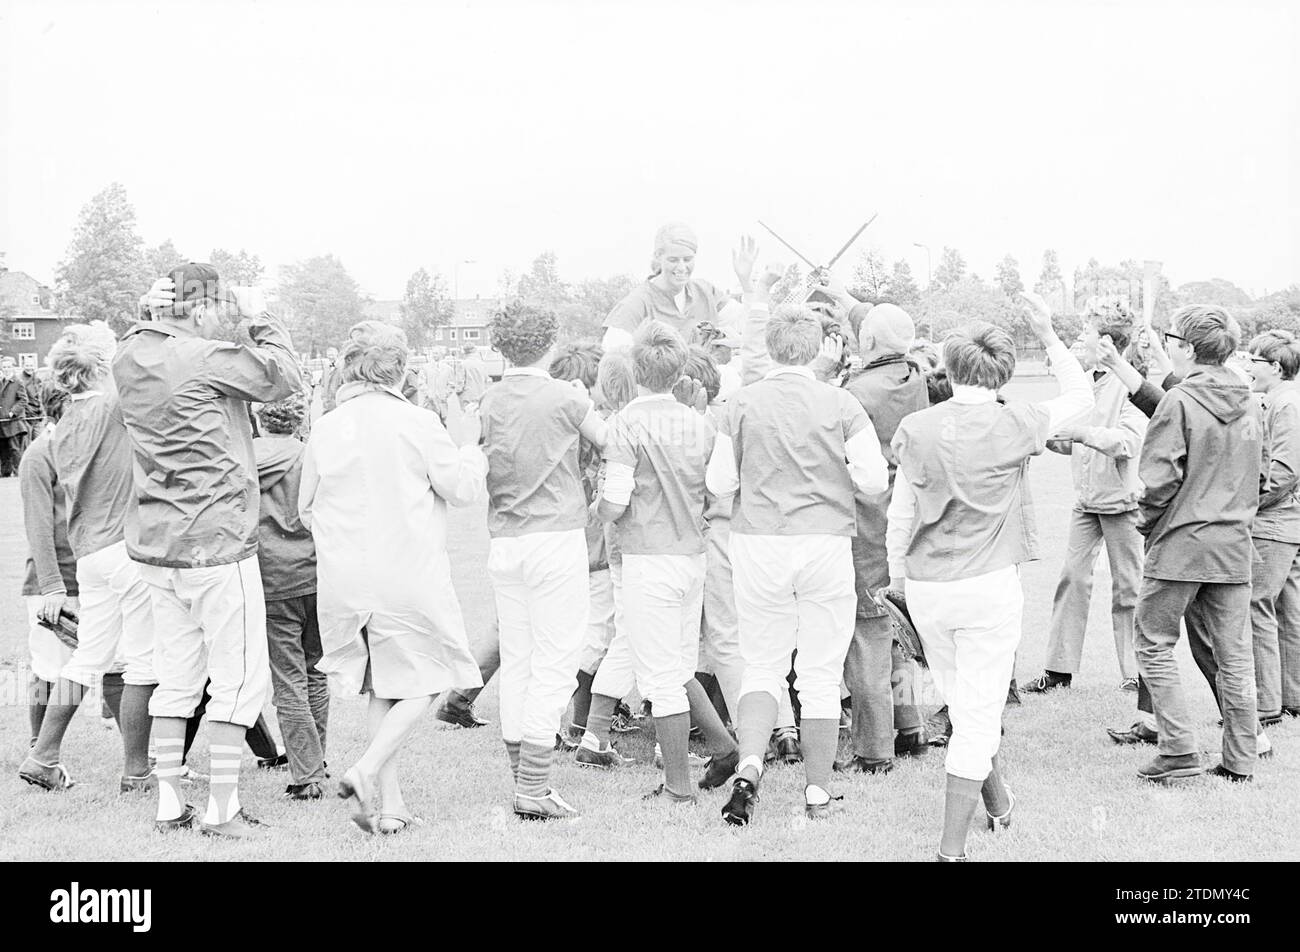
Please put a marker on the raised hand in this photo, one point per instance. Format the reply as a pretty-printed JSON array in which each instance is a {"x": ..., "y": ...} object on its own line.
[
  {"x": 690, "y": 392},
  {"x": 161, "y": 296},
  {"x": 1039, "y": 317},
  {"x": 742, "y": 260}
]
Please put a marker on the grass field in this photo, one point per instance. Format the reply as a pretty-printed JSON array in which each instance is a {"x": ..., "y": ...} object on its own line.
[{"x": 1078, "y": 797}]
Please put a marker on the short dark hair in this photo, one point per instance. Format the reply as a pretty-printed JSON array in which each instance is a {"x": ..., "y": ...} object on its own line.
[
  {"x": 938, "y": 387},
  {"x": 53, "y": 400},
  {"x": 701, "y": 366},
  {"x": 579, "y": 361},
  {"x": 1281, "y": 347},
  {"x": 283, "y": 416},
  {"x": 523, "y": 332},
  {"x": 980, "y": 355},
  {"x": 658, "y": 355},
  {"x": 1210, "y": 330}
]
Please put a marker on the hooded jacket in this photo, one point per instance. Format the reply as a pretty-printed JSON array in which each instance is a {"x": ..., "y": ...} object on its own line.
[
  {"x": 286, "y": 553},
  {"x": 1201, "y": 466}
]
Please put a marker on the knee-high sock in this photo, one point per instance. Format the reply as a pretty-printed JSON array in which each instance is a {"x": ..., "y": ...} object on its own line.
[
  {"x": 65, "y": 698},
  {"x": 673, "y": 733},
  {"x": 582, "y": 700},
  {"x": 512, "y": 751},
  {"x": 706, "y": 718},
  {"x": 757, "y": 718},
  {"x": 38, "y": 699},
  {"x": 961, "y": 801},
  {"x": 994, "y": 792},
  {"x": 111, "y": 687},
  {"x": 169, "y": 741},
  {"x": 818, "y": 738},
  {"x": 225, "y": 750},
  {"x": 134, "y": 720},
  {"x": 598, "y": 720},
  {"x": 534, "y": 779}
]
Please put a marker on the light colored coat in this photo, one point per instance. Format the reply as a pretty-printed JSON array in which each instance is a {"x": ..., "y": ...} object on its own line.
[{"x": 377, "y": 476}]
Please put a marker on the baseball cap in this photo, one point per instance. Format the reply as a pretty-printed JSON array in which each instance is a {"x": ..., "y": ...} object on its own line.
[{"x": 196, "y": 282}]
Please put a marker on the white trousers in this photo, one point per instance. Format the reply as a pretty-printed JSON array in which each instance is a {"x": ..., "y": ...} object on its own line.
[
  {"x": 116, "y": 618},
  {"x": 616, "y": 676},
  {"x": 720, "y": 636},
  {"x": 663, "y": 596},
  {"x": 540, "y": 583},
  {"x": 211, "y": 626},
  {"x": 971, "y": 630},
  {"x": 793, "y": 593},
  {"x": 600, "y": 621}
]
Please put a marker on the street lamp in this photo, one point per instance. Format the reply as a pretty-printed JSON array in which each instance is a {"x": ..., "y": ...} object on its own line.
[{"x": 929, "y": 275}]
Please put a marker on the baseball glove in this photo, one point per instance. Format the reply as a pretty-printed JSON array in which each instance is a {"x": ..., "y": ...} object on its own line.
[{"x": 909, "y": 642}]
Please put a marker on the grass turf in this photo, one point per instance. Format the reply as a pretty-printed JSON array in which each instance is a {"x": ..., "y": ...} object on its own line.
[{"x": 1078, "y": 797}]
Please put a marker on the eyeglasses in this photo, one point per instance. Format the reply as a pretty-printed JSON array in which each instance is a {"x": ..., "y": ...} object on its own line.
[
  {"x": 1258, "y": 360},
  {"x": 1170, "y": 335}
]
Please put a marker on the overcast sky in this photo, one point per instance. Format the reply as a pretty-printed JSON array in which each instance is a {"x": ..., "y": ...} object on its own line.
[{"x": 406, "y": 135}]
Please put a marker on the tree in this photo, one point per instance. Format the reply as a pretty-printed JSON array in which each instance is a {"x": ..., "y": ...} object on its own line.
[
  {"x": 596, "y": 297},
  {"x": 240, "y": 268},
  {"x": 162, "y": 259},
  {"x": 103, "y": 274},
  {"x": 1051, "y": 272},
  {"x": 870, "y": 279},
  {"x": 952, "y": 268},
  {"x": 970, "y": 299},
  {"x": 902, "y": 288},
  {"x": 1009, "y": 277},
  {"x": 425, "y": 306},
  {"x": 321, "y": 301},
  {"x": 542, "y": 285},
  {"x": 1215, "y": 291}
]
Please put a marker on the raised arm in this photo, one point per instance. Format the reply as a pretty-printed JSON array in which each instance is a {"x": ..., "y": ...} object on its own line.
[
  {"x": 263, "y": 373},
  {"x": 1075, "y": 397}
]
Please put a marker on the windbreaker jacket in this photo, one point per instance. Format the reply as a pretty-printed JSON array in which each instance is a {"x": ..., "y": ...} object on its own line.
[
  {"x": 1104, "y": 464},
  {"x": 185, "y": 401},
  {"x": 1278, "y": 517},
  {"x": 286, "y": 554},
  {"x": 1201, "y": 467}
]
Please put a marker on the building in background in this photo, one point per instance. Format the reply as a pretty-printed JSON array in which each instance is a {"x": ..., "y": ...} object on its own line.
[{"x": 29, "y": 325}]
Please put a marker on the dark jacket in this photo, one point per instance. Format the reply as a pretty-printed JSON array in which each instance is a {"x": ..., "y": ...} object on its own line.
[
  {"x": 286, "y": 553},
  {"x": 1201, "y": 467},
  {"x": 888, "y": 389},
  {"x": 51, "y": 566},
  {"x": 14, "y": 408},
  {"x": 185, "y": 401}
]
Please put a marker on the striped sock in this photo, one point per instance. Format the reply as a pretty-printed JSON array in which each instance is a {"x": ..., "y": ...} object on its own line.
[
  {"x": 169, "y": 741},
  {"x": 512, "y": 751},
  {"x": 223, "y": 797},
  {"x": 533, "y": 779}
]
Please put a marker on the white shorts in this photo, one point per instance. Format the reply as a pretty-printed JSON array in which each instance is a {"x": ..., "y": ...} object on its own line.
[
  {"x": 211, "y": 626},
  {"x": 663, "y": 596},
  {"x": 600, "y": 621},
  {"x": 116, "y": 614},
  {"x": 795, "y": 592},
  {"x": 49, "y": 655}
]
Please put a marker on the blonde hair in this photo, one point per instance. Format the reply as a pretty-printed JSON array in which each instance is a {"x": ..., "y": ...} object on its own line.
[
  {"x": 980, "y": 355},
  {"x": 1210, "y": 330},
  {"x": 375, "y": 353},
  {"x": 794, "y": 335},
  {"x": 82, "y": 356},
  {"x": 658, "y": 356}
]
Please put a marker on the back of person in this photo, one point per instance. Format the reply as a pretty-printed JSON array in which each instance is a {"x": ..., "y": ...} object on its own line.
[
  {"x": 1204, "y": 533},
  {"x": 889, "y": 390},
  {"x": 967, "y": 463},
  {"x": 92, "y": 455},
  {"x": 38, "y": 466},
  {"x": 530, "y": 437},
  {"x": 194, "y": 472},
  {"x": 286, "y": 553},
  {"x": 1279, "y": 519},
  {"x": 788, "y": 431},
  {"x": 671, "y": 444}
]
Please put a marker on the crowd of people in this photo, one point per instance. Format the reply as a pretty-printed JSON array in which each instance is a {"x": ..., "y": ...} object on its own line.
[{"x": 693, "y": 517}]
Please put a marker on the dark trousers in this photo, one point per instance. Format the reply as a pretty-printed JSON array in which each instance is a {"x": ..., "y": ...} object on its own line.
[
  {"x": 300, "y": 692},
  {"x": 258, "y": 737},
  {"x": 11, "y": 451}
]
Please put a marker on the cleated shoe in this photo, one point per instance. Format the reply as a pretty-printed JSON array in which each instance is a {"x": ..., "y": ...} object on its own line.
[
  {"x": 740, "y": 806},
  {"x": 241, "y": 826},
  {"x": 45, "y": 776},
  {"x": 607, "y": 758},
  {"x": 188, "y": 820},
  {"x": 550, "y": 807},
  {"x": 720, "y": 770}
]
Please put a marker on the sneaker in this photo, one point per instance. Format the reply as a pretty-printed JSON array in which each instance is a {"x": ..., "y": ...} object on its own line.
[
  {"x": 692, "y": 758},
  {"x": 188, "y": 820},
  {"x": 1047, "y": 681},
  {"x": 607, "y": 758},
  {"x": 144, "y": 784},
  {"x": 1129, "y": 684},
  {"x": 623, "y": 723},
  {"x": 45, "y": 776},
  {"x": 787, "y": 746},
  {"x": 740, "y": 805},
  {"x": 550, "y": 807},
  {"x": 911, "y": 745},
  {"x": 662, "y": 792},
  {"x": 1003, "y": 822},
  {"x": 304, "y": 791},
  {"x": 863, "y": 765},
  {"x": 241, "y": 826},
  {"x": 720, "y": 770},
  {"x": 1164, "y": 769}
]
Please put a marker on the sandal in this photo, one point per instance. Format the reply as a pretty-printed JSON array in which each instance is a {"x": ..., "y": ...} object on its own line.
[
  {"x": 390, "y": 823},
  {"x": 356, "y": 789}
]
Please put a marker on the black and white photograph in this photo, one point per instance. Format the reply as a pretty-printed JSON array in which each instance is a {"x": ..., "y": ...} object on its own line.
[{"x": 651, "y": 432}]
